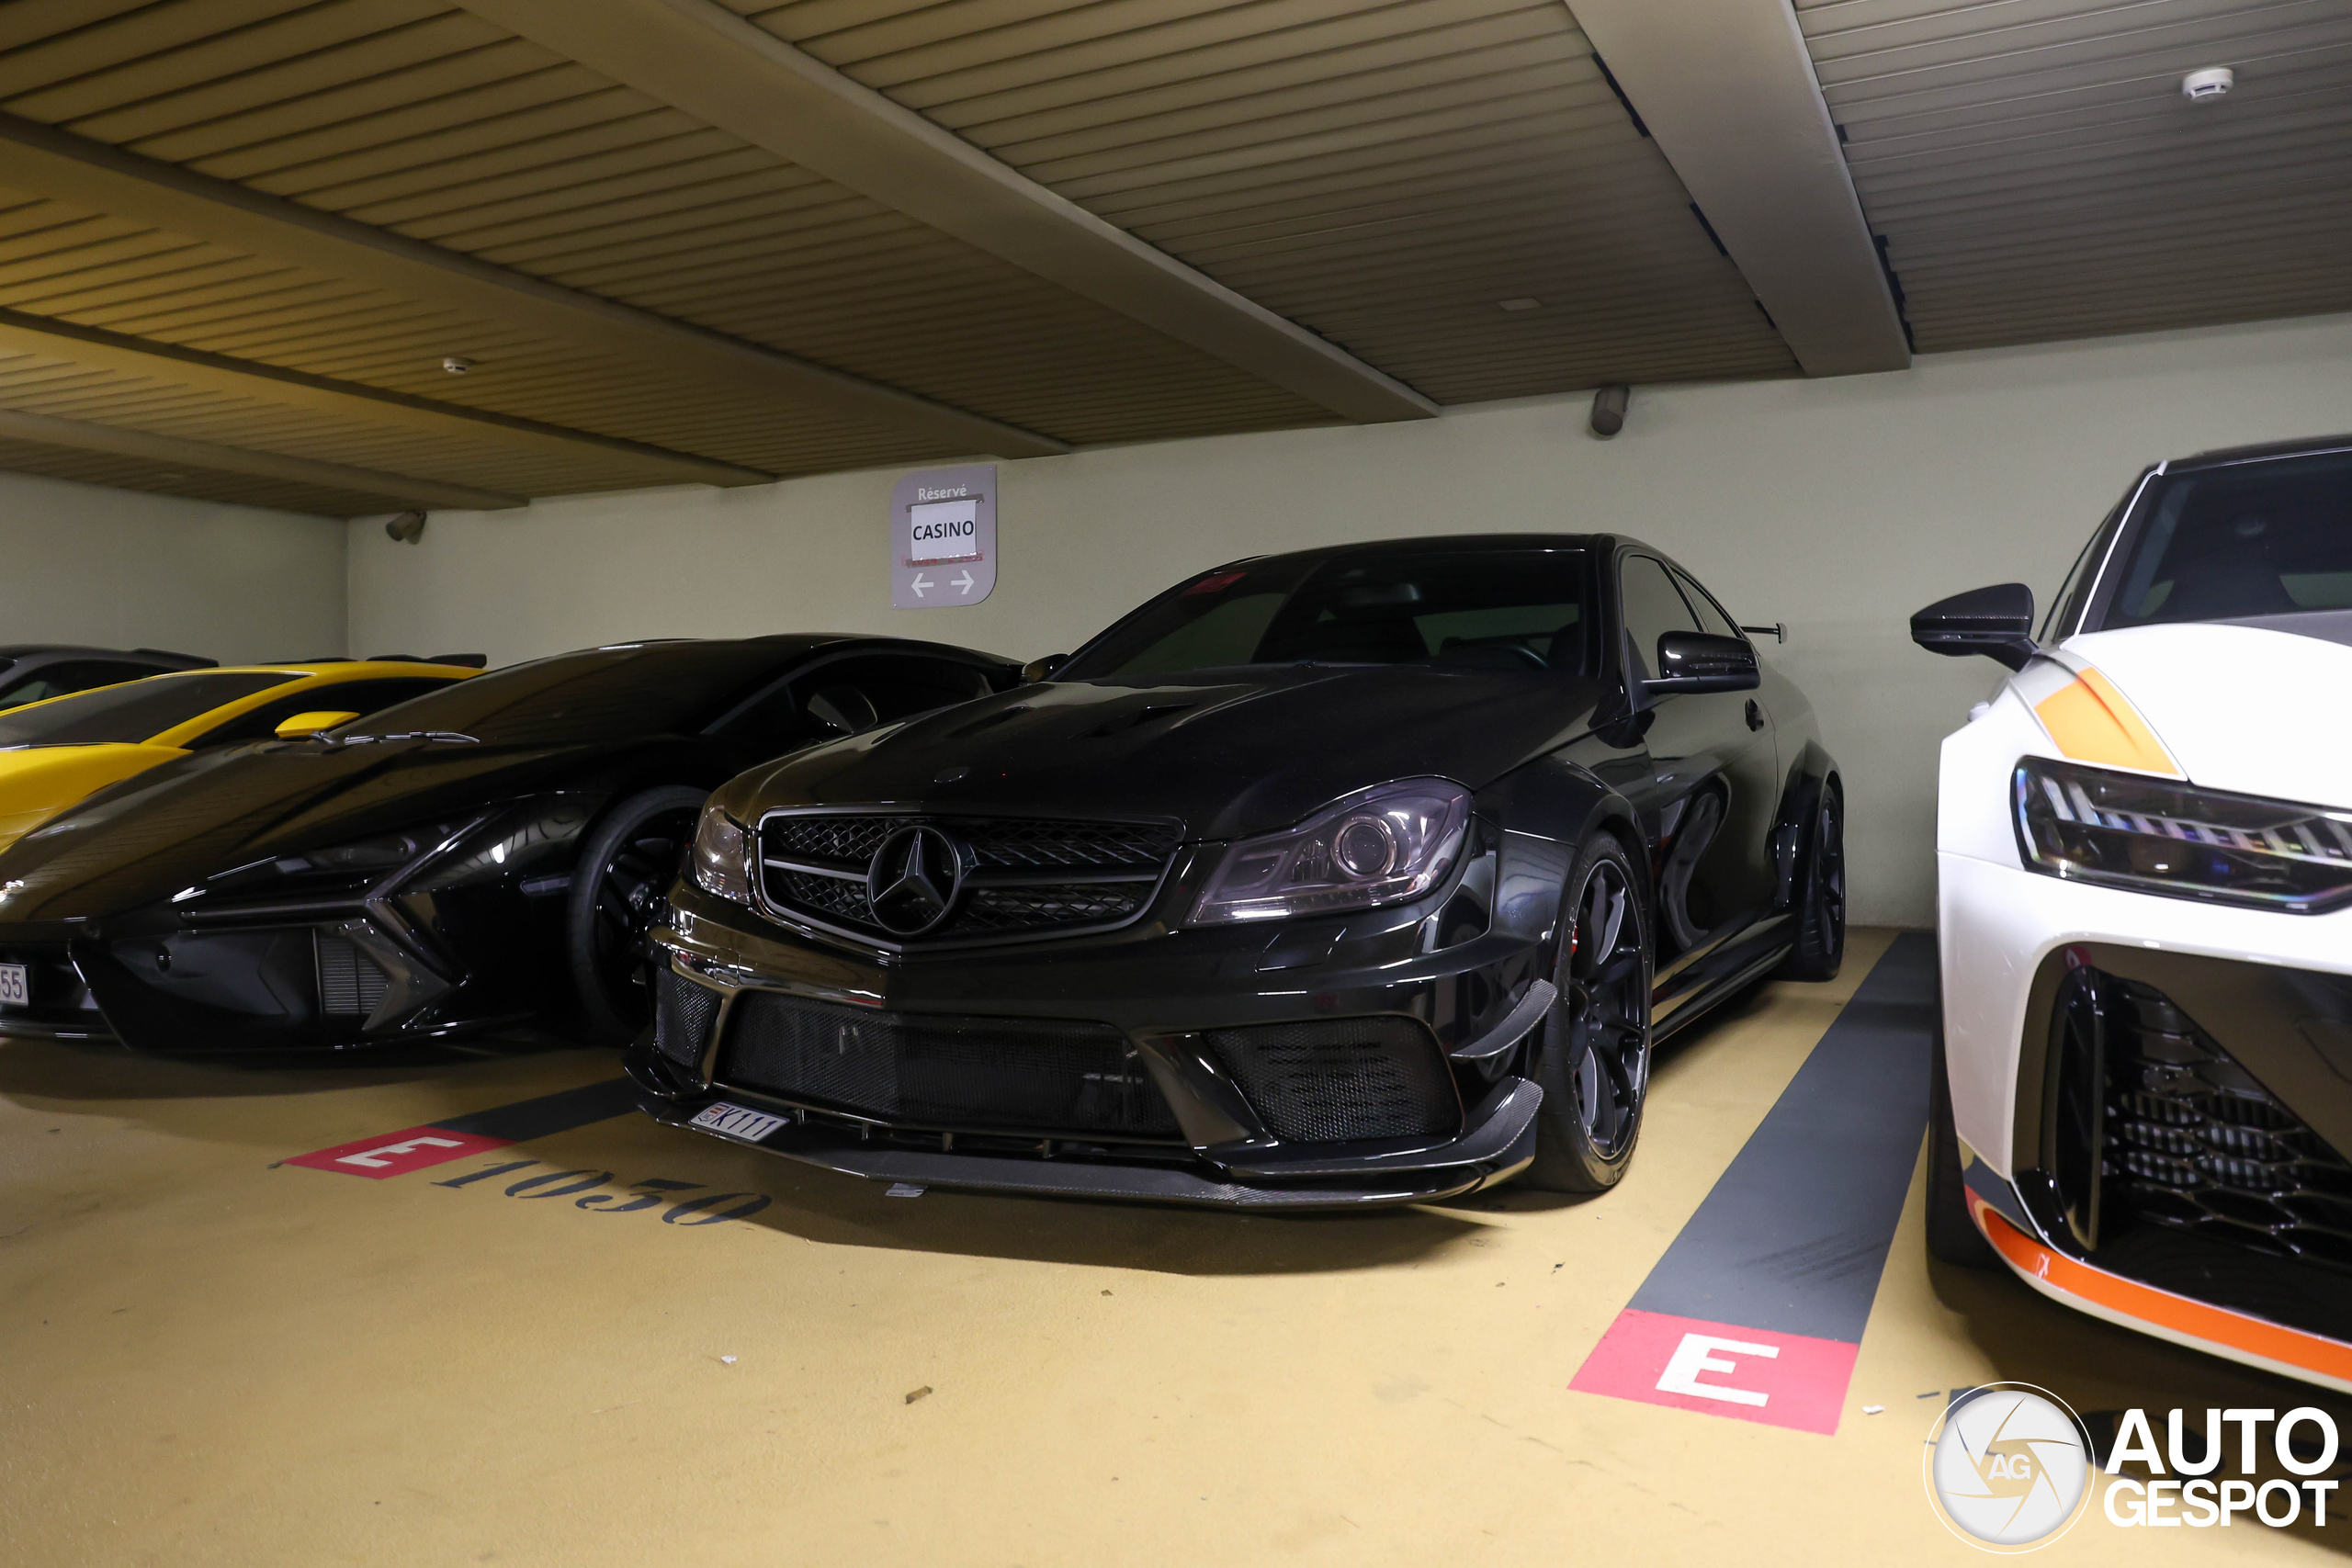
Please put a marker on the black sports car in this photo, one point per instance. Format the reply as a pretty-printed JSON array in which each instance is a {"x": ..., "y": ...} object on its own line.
[
  {"x": 487, "y": 855},
  {"x": 31, "y": 672},
  {"x": 1356, "y": 875}
]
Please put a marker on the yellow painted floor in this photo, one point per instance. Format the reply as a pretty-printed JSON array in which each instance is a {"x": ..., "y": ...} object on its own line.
[{"x": 206, "y": 1357}]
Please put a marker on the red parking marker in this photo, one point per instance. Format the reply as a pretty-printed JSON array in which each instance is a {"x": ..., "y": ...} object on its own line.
[
  {"x": 397, "y": 1154},
  {"x": 1748, "y": 1374}
]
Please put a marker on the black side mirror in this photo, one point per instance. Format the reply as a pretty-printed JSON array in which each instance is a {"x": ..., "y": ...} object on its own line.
[
  {"x": 1702, "y": 661},
  {"x": 1043, "y": 668},
  {"x": 1996, "y": 622}
]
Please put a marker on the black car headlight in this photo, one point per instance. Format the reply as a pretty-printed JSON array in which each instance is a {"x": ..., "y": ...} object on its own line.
[
  {"x": 1379, "y": 846},
  {"x": 720, "y": 864},
  {"x": 2129, "y": 830}
]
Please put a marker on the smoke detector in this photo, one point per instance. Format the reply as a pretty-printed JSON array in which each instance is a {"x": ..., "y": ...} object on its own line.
[
  {"x": 457, "y": 364},
  {"x": 2213, "y": 82}
]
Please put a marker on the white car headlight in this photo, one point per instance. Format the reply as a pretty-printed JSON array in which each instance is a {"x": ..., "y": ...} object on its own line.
[
  {"x": 2129, "y": 830},
  {"x": 721, "y": 863},
  {"x": 1379, "y": 846}
]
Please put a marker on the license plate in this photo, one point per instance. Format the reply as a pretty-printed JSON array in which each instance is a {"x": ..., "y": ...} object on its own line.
[
  {"x": 735, "y": 1121},
  {"x": 16, "y": 989}
]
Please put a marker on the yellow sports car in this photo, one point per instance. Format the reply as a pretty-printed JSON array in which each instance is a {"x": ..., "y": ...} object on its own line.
[{"x": 56, "y": 752}]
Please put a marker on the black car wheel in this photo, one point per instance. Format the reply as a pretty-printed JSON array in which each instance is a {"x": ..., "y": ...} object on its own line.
[
  {"x": 1951, "y": 1235},
  {"x": 1592, "y": 1054},
  {"x": 622, "y": 875},
  {"x": 1821, "y": 909}
]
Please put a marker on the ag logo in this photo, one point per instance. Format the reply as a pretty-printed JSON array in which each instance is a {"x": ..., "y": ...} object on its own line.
[{"x": 2007, "y": 1467}]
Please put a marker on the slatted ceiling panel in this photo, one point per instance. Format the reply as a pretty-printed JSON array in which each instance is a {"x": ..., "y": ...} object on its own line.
[
  {"x": 33, "y": 384},
  {"x": 2039, "y": 176},
  {"x": 1309, "y": 153},
  {"x": 505, "y": 152},
  {"x": 201, "y": 484}
]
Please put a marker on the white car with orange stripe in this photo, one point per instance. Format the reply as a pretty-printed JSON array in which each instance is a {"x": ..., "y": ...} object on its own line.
[{"x": 2143, "y": 1097}]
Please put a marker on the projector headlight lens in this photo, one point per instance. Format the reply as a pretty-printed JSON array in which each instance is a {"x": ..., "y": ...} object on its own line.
[
  {"x": 1380, "y": 846},
  {"x": 2156, "y": 836}
]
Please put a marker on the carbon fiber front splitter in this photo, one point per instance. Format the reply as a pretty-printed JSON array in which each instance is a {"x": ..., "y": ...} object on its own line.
[{"x": 1498, "y": 1145}]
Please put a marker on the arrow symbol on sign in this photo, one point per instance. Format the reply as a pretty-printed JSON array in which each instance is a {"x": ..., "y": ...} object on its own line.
[
  {"x": 919, "y": 584},
  {"x": 964, "y": 583}
]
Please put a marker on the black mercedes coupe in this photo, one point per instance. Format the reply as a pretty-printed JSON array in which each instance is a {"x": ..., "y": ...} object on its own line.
[
  {"x": 485, "y": 856},
  {"x": 1358, "y": 875}
]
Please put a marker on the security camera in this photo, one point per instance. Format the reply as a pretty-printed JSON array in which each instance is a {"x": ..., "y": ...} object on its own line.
[
  {"x": 407, "y": 528},
  {"x": 1609, "y": 409},
  {"x": 2210, "y": 83}
]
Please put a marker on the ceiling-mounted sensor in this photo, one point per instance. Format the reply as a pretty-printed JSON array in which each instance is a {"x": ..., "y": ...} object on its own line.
[
  {"x": 2210, "y": 83},
  {"x": 456, "y": 364}
]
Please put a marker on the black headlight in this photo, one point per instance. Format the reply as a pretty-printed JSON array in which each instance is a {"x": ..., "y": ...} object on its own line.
[{"x": 2156, "y": 836}]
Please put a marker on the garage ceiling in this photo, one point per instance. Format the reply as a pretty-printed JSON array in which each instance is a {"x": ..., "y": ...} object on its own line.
[{"x": 683, "y": 242}]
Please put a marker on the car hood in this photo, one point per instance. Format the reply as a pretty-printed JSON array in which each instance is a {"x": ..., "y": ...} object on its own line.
[
  {"x": 141, "y": 841},
  {"x": 1226, "y": 752},
  {"x": 2254, "y": 710}
]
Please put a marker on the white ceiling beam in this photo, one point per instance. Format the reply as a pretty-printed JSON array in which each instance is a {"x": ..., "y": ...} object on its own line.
[
  {"x": 702, "y": 58},
  {"x": 1728, "y": 92},
  {"x": 178, "y": 452},
  {"x": 169, "y": 363},
  {"x": 43, "y": 160}
]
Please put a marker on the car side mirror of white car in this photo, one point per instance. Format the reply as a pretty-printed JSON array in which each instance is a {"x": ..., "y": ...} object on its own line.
[{"x": 1996, "y": 622}]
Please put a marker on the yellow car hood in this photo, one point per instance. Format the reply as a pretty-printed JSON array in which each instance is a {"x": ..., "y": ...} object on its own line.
[{"x": 38, "y": 782}]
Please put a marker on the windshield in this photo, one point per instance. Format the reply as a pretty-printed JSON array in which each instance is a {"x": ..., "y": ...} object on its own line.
[
  {"x": 2271, "y": 537},
  {"x": 136, "y": 711},
  {"x": 1507, "y": 609},
  {"x": 606, "y": 694}
]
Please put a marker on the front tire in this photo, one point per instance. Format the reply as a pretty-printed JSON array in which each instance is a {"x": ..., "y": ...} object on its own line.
[
  {"x": 1821, "y": 908},
  {"x": 618, "y": 885},
  {"x": 1592, "y": 1054}
]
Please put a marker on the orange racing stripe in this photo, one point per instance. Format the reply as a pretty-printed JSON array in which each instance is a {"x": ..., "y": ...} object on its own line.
[
  {"x": 2093, "y": 722},
  {"x": 2179, "y": 1315}
]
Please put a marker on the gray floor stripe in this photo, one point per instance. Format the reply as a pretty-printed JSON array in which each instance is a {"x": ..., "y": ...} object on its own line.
[{"x": 1795, "y": 1233}]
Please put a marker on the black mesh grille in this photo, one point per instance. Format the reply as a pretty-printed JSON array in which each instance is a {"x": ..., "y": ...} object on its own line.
[
  {"x": 681, "y": 1015},
  {"x": 2193, "y": 1140},
  {"x": 1343, "y": 1080},
  {"x": 350, "y": 984},
  {"x": 1048, "y": 1076},
  {"x": 1005, "y": 863}
]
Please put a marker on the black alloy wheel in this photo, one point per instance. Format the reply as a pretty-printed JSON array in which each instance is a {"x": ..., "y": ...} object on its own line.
[
  {"x": 1953, "y": 1237},
  {"x": 1591, "y": 1057},
  {"x": 1821, "y": 907},
  {"x": 624, "y": 872}
]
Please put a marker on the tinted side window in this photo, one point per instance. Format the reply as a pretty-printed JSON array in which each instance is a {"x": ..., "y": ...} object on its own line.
[
  {"x": 894, "y": 685},
  {"x": 1713, "y": 618},
  {"x": 362, "y": 697},
  {"x": 1654, "y": 607},
  {"x": 81, "y": 676}
]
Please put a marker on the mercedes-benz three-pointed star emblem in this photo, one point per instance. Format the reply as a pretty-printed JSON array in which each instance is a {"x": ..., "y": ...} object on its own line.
[{"x": 912, "y": 879}]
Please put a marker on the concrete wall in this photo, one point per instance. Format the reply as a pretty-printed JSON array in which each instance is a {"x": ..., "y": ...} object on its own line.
[
  {"x": 122, "y": 569},
  {"x": 1837, "y": 507}
]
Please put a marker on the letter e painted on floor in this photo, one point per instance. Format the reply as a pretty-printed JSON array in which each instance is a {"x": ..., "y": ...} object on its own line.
[
  {"x": 397, "y": 1154},
  {"x": 1748, "y": 1374}
]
